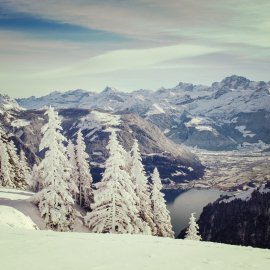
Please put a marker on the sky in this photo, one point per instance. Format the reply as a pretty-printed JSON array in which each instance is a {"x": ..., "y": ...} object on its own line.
[{"x": 49, "y": 45}]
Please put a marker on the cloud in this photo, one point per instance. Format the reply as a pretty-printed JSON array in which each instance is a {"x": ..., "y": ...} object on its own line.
[
  {"x": 161, "y": 22},
  {"x": 165, "y": 38},
  {"x": 138, "y": 58}
]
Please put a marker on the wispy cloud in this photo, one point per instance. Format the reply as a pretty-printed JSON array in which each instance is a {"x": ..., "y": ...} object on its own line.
[
  {"x": 89, "y": 43},
  {"x": 136, "y": 58},
  {"x": 155, "y": 19}
]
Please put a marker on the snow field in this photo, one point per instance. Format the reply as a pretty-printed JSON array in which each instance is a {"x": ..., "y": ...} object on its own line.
[{"x": 48, "y": 250}]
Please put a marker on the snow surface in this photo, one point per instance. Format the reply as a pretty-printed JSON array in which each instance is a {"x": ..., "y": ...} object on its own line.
[
  {"x": 11, "y": 217},
  {"x": 20, "y": 123},
  {"x": 13, "y": 194},
  {"x": 246, "y": 133},
  {"x": 7, "y": 103},
  {"x": 96, "y": 120},
  {"x": 155, "y": 109},
  {"x": 207, "y": 128},
  {"x": 246, "y": 195},
  {"x": 177, "y": 173},
  {"x": 48, "y": 250},
  {"x": 195, "y": 121},
  {"x": 201, "y": 124},
  {"x": 242, "y": 195},
  {"x": 19, "y": 200},
  {"x": 166, "y": 131}
]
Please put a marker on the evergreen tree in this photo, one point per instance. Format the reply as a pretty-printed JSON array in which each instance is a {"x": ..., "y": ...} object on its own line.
[
  {"x": 139, "y": 179},
  {"x": 73, "y": 181},
  {"x": 193, "y": 229},
  {"x": 85, "y": 180},
  {"x": 13, "y": 171},
  {"x": 6, "y": 169},
  {"x": 36, "y": 178},
  {"x": 115, "y": 207},
  {"x": 19, "y": 179},
  {"x": 54, "y": 200},
  {"x": 162, "y": 217},
  {"x": 25, "y": 169}
]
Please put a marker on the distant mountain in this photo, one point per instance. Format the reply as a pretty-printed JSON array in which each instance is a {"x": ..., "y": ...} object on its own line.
[
  {"x": 175, "y": 163},
  {"x": 230, "y": 114}
]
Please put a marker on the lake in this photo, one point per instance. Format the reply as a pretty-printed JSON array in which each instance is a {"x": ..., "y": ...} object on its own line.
[{"x": 182, "y": 203}]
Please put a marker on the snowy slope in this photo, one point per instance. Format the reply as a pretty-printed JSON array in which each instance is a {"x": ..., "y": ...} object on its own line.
[
  {"x": 17, "y": 203},
  {"x": 243, "y": 219},
  {"x": 7, "y": 103},
  {"x": 11, "y": 217},
  {"x": 156, "y": 148},
  {"x": 17, "y": 211},
  {"x": 47, "y": 250}
]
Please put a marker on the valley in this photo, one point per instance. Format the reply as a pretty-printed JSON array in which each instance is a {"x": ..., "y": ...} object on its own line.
[{"x": 231, "y": 170}]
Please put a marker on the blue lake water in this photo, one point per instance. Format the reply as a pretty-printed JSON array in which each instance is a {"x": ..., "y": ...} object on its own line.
[{"x": 182, "y": 203}]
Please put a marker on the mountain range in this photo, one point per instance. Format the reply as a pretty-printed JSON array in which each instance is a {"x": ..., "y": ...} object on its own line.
[{"x": 228, "y": 115}]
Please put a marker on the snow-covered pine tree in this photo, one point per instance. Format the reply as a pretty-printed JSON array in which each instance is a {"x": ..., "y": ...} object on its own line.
[
  {"x": 54, "y": 200},
  {"x": 25, "y": 168},
  {"x": 6, "y": 169},
  {"x": 162, "y": 217},
  {"x": 140, "y": 182},
  {"x": 36, "y": 178},
  {"x": 193, "y": 229},
  {"x": 85, "y": 196},
  {"x": 19, "y": 179},
  {"x": 73, "y": 181},
  {"x": 115, "y": 203}
]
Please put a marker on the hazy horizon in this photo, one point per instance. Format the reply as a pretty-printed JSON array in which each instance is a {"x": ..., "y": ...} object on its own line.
[{"x": 63, "y": 45}]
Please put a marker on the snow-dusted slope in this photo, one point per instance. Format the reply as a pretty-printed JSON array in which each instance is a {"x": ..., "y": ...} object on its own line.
[
  {"x": 241, "y": 219},
  {"x": 156, "y": 148},
  {"x": 233, "y": 111},
  {"x": 7, "y": 103},
  {"x": 17, "y": 211},
  {"x": 69, "y": 99},
  {"x": 11, "y": 217},
  {"x": 47, "y": 250}
]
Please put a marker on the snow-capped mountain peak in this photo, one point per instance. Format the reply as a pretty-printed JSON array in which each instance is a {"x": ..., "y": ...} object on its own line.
[
  {"x": 231, "y": 83},
  {"x": 7, "y": 104},
  {"x": 109, "y": 90},
  {"x": 235, "y": 81}
]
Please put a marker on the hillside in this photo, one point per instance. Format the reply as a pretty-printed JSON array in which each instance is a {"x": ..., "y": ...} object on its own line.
[
  {"x": 175, "y": 162},
  {"x": 239, "y": 218}
]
